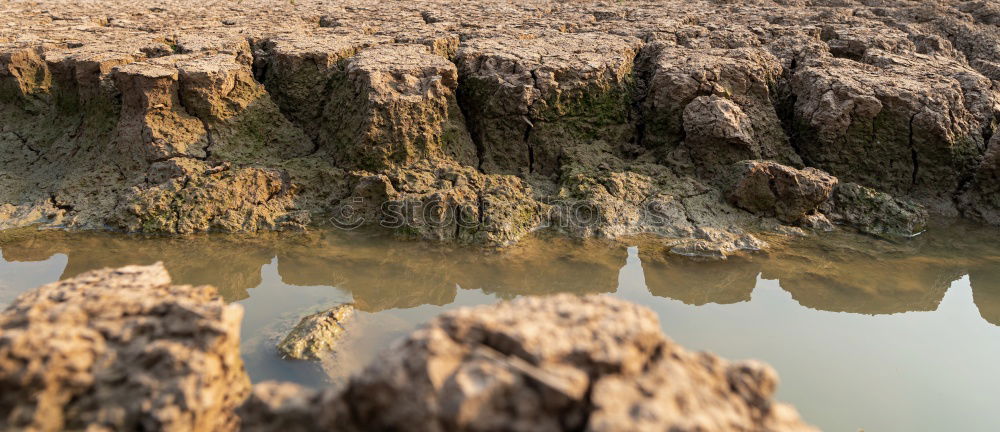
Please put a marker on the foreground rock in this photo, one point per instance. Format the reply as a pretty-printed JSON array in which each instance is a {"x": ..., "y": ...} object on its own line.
[
  {"x": 316, "y": 334},
  {"x": 492, "y": 120},
  {"x": 120, "y": 350},
  {"x": 553, "y": 363},
  {"x": 126, "y": 350}
]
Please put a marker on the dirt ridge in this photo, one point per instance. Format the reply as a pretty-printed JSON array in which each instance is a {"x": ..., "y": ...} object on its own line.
[{"x": 512, "y": 115}]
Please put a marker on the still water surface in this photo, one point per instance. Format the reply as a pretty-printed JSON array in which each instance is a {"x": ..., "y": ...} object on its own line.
[{"x": 865, "y": 334}]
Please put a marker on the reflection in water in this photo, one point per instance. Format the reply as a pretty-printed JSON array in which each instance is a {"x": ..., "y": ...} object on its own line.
[
  {"x": 230, "y": 263},
  {"x": 383, "y": 273},
  {"x": 913, "y": 342},
  {"x": 986, "y": 279},
  {"x": 699, "y": 283}
]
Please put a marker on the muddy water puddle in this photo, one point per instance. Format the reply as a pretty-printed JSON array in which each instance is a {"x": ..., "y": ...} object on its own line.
[{"x": 864, "y": 333}]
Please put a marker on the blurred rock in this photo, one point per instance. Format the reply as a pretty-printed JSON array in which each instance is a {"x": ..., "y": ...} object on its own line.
[
  {"x": 121, "y": 350},
  {"x": 537, "y": 363}
]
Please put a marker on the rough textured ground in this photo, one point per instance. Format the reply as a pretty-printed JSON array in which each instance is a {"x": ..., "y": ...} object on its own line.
[
  {"x": 316, "y": 334},
  {"x": 536, "y": 364},
  {"x": 481, "y": 123},
  {"x": 121, "y": 350}
]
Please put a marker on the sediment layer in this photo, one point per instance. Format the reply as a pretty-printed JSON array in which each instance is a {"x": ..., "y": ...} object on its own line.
[{"x": 482, "y": 123}]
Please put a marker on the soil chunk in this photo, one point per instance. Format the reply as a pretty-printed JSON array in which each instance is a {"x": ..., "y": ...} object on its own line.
[
  {"x": 316, "y": 334},
  {"x": 121, "y": 350}
]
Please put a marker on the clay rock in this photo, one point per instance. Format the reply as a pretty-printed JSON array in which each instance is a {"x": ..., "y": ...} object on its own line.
[
  {"x": 321, "y": 87},
  {"x": 771, "y": 189},
  {"x": 317, "y": 334},
  {"x": 366, "y": 105},
  {"x": 23, "y": 74},
  {"x": 50, "y": 77},
  {"x": 735, "y": 100},
  {"x": 40, "y": 212},
  {"x": 876, "y": 213},
  {"x": 853, "y": 41},
  {"x": 298, "y": 72},
  {"x": 212, "y": 105},
  {"x": 538, "y": 363},
  {"x": 612, "y": 204},
  {"x": 121, "y": 350},
  {"x": 397, "y": 105},
  {"x": 882, "y": 124},
  {"x": 171, "y": 107},
  {"x": 217, "y": 87},
  {"x": 445, "y": 202},
  {"x": 718, "y": 133},
  {"x": 192, "y": 196},
  {"x": 976, "y": 37},
  {"x": 154, "y": 124},
  {"x": 717, "y": 244},
  {"x": 527, "y": 99},
  {"x": 242, "y": 121},
  {"x": 601, "y": 195}
]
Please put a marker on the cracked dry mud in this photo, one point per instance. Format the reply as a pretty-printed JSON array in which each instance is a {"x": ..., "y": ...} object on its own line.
[{"x": 181, "y": 117}]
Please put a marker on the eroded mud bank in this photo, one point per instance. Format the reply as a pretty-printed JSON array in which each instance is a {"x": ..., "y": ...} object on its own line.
[{"x": 483, "y": 123}]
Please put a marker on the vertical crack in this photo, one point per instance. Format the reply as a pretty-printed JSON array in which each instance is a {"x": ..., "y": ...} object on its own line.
[
  {"x": 470, "y": 120},
  {"x": 988, "y": 132},
  {"x": 913, "y": 155},
  {"x": 260, "y": 70},
  {"x": 183, "y": 106},
  {"x": 642, "y": 71},
  {"x": 24, "y": 142},
  {"x": 210, "y": 140},
  {"x": 482, "y": 209},
  {"x": 531, "y": 148},
  {"x": 457, "y": 209},
  {"x": 872, "y": 140},
  {"x": 687, "y": 213},
  {"x": 175, "y": 207}
]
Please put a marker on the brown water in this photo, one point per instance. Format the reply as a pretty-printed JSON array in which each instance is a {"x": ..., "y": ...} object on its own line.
[{"x": 864, "y": 333}]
